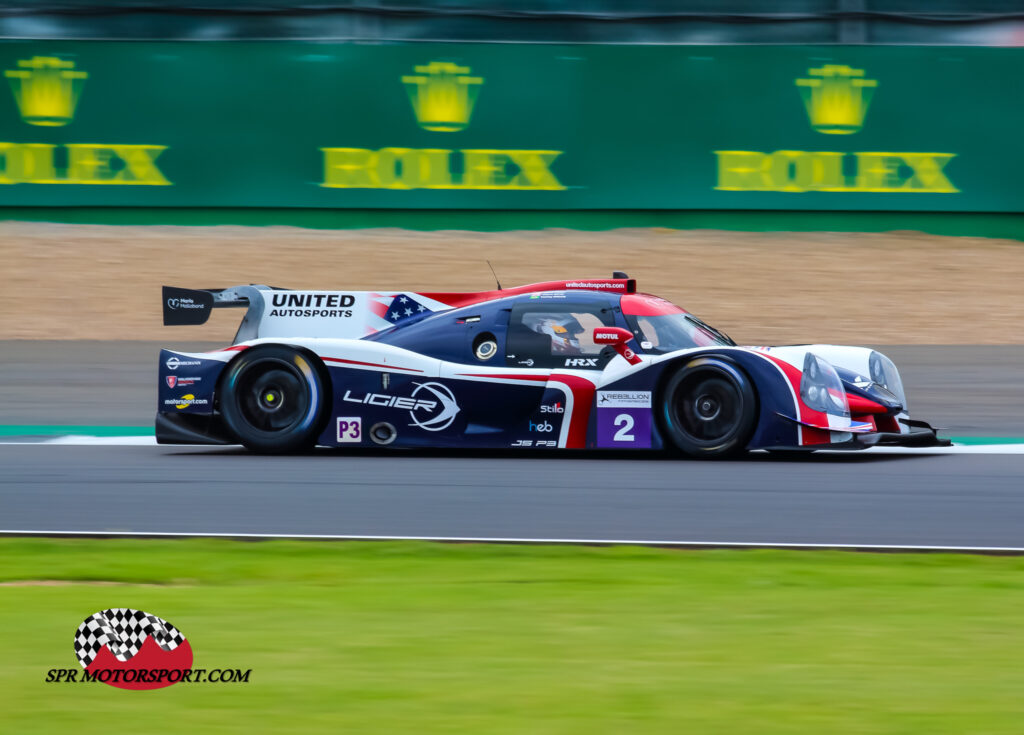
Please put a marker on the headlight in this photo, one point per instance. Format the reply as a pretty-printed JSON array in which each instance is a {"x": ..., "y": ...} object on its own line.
[
  {"x": 884, "y": 373},
  {"x": 821, "y": 389}
]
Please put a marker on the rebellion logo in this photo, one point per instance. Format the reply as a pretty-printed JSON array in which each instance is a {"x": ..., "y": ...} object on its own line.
[
  {"x": 443, "y": 96},
  {"x": 47, "y": 91},
  {"x": 124, "y": 648},
  {"x": 836, "y": 98}
]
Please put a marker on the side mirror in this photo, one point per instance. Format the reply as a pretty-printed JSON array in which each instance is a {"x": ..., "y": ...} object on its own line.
[{"x": 617, "y": 337}]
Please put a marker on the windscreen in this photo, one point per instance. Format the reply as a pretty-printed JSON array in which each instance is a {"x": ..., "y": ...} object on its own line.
[{"x": 667, "y": 332}]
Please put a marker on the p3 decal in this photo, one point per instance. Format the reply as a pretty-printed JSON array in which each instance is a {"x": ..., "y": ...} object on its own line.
[{"x": 350, "y": 429}]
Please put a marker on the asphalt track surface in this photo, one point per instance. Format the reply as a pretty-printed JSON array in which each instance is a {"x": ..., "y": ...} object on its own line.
[{"x": 961, "y": 500}]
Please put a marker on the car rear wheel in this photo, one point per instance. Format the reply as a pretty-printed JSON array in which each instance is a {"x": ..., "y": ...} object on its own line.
[
  {"x": 273, "y": 399},
  {"x": 709, "y": 408}
]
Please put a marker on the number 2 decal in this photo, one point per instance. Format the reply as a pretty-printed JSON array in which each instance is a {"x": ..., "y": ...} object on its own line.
[
  {"x": 626, "y": 422},
  {"x": 350, "y": 429}
]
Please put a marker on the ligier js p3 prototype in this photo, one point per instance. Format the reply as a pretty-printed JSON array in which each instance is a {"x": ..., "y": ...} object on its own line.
[{"x": 558, "y": 365}]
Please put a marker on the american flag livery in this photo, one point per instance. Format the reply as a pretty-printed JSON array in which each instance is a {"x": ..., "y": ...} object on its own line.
[{"x": 404, "y": 306}]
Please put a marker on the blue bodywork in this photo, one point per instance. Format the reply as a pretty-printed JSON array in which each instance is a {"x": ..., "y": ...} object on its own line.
[{"x": 495, "y": 414}]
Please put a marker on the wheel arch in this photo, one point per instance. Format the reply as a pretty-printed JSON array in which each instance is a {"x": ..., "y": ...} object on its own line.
[
  {"x": 315, "y": 361},
  {"x": 731, "y": 361}
]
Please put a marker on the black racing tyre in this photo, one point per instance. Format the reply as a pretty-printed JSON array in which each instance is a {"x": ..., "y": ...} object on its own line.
[
  {"x": 274, "y": 399},
  {"x": 709, "y": 408}
]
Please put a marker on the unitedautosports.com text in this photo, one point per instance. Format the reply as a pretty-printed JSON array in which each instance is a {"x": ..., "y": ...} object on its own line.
[{"x": 150, "y": 676}]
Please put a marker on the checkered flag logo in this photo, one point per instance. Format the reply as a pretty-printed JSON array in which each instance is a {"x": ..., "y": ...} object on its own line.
[{"x": 123, "y": 631}]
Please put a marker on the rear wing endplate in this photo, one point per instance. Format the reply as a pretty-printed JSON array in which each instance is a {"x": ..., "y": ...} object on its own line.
[{"x": 191, "y": 306}]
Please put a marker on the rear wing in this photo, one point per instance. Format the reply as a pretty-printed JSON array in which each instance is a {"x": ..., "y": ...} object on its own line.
[
  {"x": 277, "y": 312},
  {"x": 192, "y": 306}
]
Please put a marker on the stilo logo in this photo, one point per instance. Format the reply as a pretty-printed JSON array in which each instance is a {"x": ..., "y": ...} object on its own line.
[{"x": 123, "y": 647}]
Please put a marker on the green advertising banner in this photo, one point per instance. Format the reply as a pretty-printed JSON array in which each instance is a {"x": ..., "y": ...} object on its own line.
[{"x": 511, "y": 126}]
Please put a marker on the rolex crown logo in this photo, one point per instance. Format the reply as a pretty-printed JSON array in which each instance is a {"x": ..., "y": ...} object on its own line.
[
  {"x": 836, "y": 98},
  {"x": 442, "y": 95},
  {"x": 46, "y": 89}
]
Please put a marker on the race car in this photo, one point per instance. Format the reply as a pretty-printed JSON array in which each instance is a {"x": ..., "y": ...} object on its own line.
[{"x": 578, "y": 364}]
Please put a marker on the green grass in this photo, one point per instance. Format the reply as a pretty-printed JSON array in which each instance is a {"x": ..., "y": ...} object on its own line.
[{"x": 429, "y": 638}]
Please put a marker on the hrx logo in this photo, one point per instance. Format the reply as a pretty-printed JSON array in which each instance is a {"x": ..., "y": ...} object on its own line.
[{"x": 581, "y": 362}]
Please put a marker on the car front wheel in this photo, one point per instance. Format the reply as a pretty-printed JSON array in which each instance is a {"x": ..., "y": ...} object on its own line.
[{"x": 709, "y": 408}]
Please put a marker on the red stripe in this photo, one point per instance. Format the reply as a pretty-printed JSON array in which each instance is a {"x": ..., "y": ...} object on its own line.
[
  {"x": 234, "y": 348},
  {"x": 455, "y": 300},
  {"x": 864, "y": 405},
  {"x": 582, "y": 399},
  {"x": 369, "y": 364},
  {"x": 807, "y": 415},
  {"x": 641, "y": 304},
  {"x": 541, "y": 378}
]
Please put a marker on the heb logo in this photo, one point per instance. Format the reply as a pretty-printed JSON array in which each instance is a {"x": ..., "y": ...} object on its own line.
[
  {"x": 544, "y": 427},
  {"x": 122, "y": 647}
]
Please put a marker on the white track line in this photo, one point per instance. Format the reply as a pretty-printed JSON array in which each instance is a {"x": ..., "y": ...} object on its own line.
[
  {"x": 150, "y": 441},
  {"x": 75, "y": 440},
  {"x": 530, "y": 541},
  {"x": 955, "y": 449}
]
